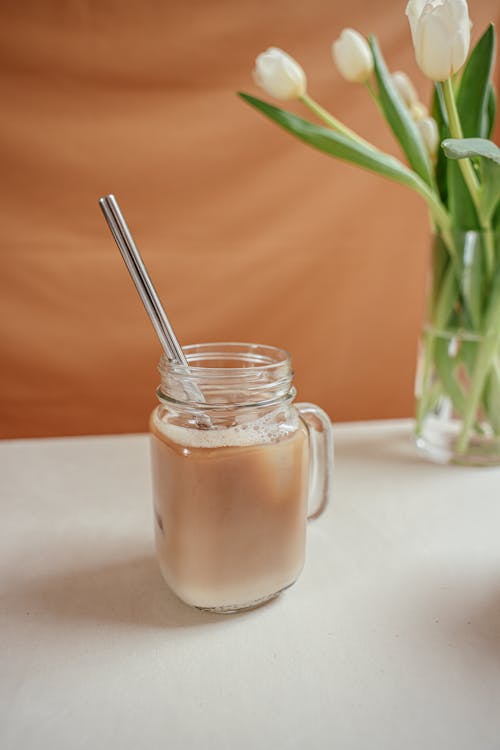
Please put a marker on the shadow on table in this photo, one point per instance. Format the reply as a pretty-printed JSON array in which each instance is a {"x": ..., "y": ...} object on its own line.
[{"x": 130, "y": 592}]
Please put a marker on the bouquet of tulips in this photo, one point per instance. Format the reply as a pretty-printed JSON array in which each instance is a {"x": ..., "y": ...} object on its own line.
[{"x": 453, "y": 165}]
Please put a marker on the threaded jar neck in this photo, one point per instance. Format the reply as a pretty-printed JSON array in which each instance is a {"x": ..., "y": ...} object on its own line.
[{"x": 229, "y": 375}]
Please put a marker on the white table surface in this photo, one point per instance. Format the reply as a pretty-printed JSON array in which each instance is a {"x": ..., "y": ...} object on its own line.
[{"x": 390, "y": 639}]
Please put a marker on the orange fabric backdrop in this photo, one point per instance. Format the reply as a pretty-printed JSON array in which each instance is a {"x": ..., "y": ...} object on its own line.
[{"x": 248, "y": 234}]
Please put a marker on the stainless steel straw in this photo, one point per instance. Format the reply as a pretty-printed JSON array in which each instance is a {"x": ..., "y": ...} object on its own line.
[{"x": 147, "y": 292}]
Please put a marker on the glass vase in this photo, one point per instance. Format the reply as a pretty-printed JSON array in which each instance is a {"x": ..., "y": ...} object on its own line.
[{"x": 458, "y": 374}]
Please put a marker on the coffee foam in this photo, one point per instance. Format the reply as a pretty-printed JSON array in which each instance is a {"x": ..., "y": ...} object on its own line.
[{"x": 257, "y": 432}]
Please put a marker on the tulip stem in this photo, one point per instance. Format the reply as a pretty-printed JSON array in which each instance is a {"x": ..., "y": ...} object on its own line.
[
  {"x": 438, "y": 211},
  {"x": 375, "y": 97},
  {"x": 468, "y": 172},
  {"x": 466, "y": 167},
  {"x": 371, "y": 89},
  {"x": 332, "y": 121}
]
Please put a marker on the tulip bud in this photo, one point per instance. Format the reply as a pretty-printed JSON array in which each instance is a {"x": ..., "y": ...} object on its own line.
[
  {"x": 430, "y": 135},
  {"x": 405, "y": 88},
  {"x": 279, "y": 74},
  {"x": 419, "y": 111},
  {"x": 440, "y": 30},
  {"x": 352, "y": 56}
]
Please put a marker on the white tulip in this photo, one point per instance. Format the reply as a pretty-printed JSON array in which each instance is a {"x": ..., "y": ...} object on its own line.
[
  {"x": 352, "y": 56},
  {"x": 279, "y": 74},
  {"x": 430, "y": 135},
  {"x": 419, "y": 111},
  {"x": 440, "y": 31},
  {"x": 405, "y": 88}
]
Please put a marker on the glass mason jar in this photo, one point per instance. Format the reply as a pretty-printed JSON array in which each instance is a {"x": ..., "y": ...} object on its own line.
[
  {"x": 458, "y": 374},
  {"x": 237, "y": 469}
]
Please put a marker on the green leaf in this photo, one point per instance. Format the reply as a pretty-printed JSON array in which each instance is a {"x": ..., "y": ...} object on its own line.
[
  {"x": 334, "y": 144},
  {"x": 490, "y": 115},
  {"x": 438, "y": 112},
  {"x": 445, "y": 366},
  {"x": 490, "y": 188},
  {"x": 495, "y": 221},
  {"x": 462, "y": 148},
  {"x": 474, "y": 92},
  {"x": 460, "y": 204},
  {"x": 468, "y": 354},
  {"x": 492, "y": 397},
  {"x": 489, "y": 153},
  {"x": 399, "y": 118},
  {"x": 441, "y": 262},
  {"x": 472, "y": 105},
  {"x": 471, "y": 262},
  {"x": 446, "y": 295}
]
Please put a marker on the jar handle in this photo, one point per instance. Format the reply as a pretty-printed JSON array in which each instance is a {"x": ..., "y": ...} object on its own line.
[{"x": 320, "y": 433}]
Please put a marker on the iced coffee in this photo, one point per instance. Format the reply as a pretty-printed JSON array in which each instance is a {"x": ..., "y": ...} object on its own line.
[
  {"x": 231, "y": 475},
  {"x": 230, "y": 511}
]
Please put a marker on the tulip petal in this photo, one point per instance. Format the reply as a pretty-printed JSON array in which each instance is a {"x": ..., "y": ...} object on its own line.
[
  {"x": 433, "y": 45},
  {"x": 413, "y": 11},
  {"x": 279, "y": 74},
  {"x": 352, "y": 56},
  {"x": 459, "y": 12},
  {"x": 441, "y": 35},
  {"x": 405, "y": 88},
  {"x": 430, "y": 134},
  {"x": 459, "y": 49}
]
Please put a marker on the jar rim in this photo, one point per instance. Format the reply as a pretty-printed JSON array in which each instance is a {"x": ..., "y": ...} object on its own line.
[
  {"x": 251, "y": 356},
  {"x": 245, "y": 374}
]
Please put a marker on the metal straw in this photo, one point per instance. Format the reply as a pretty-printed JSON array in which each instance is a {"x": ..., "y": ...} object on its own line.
[{"x": 147, "y": 292}]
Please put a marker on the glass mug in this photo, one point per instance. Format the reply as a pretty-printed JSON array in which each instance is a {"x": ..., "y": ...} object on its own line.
[{"x": 235, "y": 478}]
